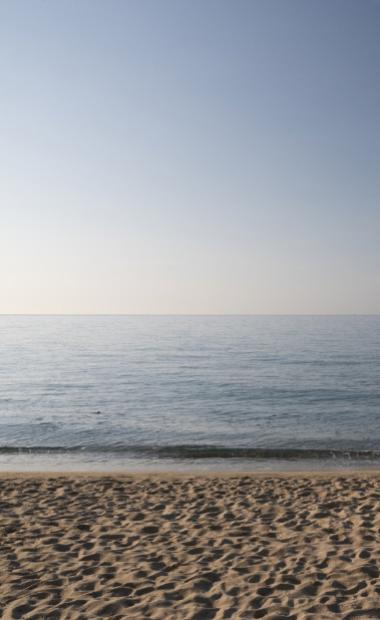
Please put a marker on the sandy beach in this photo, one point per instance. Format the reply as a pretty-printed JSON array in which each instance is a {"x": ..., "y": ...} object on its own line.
[{"x": 164, "y": 547}]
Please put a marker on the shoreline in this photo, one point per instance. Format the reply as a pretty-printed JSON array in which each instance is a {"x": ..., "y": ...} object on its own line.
[
  {"x": 345, "y": 473},
  {"x": 25, "y": 463}
]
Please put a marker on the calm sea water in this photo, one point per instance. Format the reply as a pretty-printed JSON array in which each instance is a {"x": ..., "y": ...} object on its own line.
[{"x": 177, "y": 392}]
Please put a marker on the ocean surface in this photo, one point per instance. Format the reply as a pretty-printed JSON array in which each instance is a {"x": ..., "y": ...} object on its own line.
[{"x": 189, "y": 392}]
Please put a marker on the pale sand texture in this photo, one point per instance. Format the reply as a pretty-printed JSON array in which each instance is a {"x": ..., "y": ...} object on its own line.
[{"x": 191, "y": 547}]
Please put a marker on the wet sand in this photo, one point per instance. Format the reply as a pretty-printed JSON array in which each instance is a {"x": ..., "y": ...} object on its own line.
[{"x": 165, "y": 547}]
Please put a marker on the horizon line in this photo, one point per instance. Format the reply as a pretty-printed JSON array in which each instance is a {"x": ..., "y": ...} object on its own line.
[{"x": 189, "y": 314}]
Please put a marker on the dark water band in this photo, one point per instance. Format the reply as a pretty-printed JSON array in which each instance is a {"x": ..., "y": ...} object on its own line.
[{"x": 198, "y": 452}]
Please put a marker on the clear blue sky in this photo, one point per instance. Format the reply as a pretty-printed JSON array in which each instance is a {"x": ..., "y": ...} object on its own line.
[{"x": 198, "y": 156}]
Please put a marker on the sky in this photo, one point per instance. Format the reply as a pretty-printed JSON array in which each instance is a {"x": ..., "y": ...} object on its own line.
[{"x": 189, "y": 156}]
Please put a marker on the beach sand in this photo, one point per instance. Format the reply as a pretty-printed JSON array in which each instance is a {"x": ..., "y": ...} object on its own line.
[{"x": 302, "y": 546}]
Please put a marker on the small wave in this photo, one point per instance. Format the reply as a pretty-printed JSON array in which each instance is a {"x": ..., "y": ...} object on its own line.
[{"x": 201, "y": 452}]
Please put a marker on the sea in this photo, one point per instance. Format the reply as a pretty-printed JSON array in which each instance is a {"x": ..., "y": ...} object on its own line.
[{"x": 189, "y": 393}]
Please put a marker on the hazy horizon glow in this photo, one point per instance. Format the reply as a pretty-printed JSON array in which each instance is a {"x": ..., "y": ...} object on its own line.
[{"x": 190, "y": 157}]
